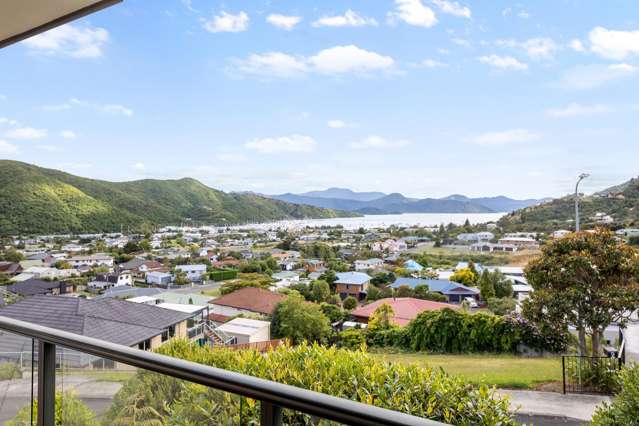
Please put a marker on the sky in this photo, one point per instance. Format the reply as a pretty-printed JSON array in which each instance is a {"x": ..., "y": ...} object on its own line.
[{"x": 422, "y": 97}]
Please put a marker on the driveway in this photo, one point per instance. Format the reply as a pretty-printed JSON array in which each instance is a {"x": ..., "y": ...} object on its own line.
[{"x": 551, "y": 408}]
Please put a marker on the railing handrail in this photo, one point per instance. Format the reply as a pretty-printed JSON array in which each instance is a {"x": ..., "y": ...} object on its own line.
[{"x": 286, "y": 396}]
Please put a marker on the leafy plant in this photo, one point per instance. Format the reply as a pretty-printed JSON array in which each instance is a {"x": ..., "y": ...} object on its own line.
[{"x": 625, "y": 406}]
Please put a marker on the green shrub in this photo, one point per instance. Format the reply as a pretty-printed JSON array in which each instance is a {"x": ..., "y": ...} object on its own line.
[
  {"x": 349, "y": 303},
  {"x": 223, "y": 275},
  {"x": 9, "y": 370},
  {"x": 69, "y": 411},
  {"x": 602, "y": 376},
  {"x": 503, "y": 306},
  {"x": 348, "y": 374},
  {"x": 392, "y": 337},
  {"x": 353, "y": 338},
  {"x": 624, "y": 409}
]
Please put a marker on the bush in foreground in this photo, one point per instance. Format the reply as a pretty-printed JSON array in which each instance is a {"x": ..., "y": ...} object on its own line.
[
  {"x": 348, "y": 374},
  {"x": 624, "y": 409}
]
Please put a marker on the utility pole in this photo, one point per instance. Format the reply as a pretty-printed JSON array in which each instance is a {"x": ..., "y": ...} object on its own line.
[{"x": 581, "y": 177}]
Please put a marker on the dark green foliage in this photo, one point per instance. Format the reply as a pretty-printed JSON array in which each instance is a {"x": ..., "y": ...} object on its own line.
[
  {"x": 299, "y": 321},
  {"x": 454, "y": 331},
  {"x": 223, "y": 275},
  {"x": 349, "y": 303},
  {"x": 333, "y": 313},
  {"x": 624, "y": 409},
  {"x": 503, "y": 306},
  {"x": 39, "y": 200}
]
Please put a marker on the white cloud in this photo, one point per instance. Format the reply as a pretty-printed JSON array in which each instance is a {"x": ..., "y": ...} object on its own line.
[
  {"x": 346, "y": 59},
  {"x": 284, "y": 22},
  {"x": 453, "y": 8},
  {"x": 189, "y": 5},
  {"x": 7, "y": 148},
  {"x": 227, "y": 23},
  {"x": 577, "y": 45},
  {"x": 26, "y": 133},
  {"x": 114, "y": 109},
  {"x": 70, "y": 40},
  {"x": 272, "y": 64},
  {"x": 336, "y": 124},
  {"x": 584, "y": 77},
  {"x": 8, "y": 121},
  {"x": 334, "y": 60},
  {"x": 139, "y": 166},
  {"x": 577, "y": 110},
  {"x": 374, "y": 141},
  {"x": 612, "y": 44},
  {"x": 293, "y": 143},
  {"x": 348, "y": 19},
  {"x": 50, "y": 148},
  {"x": 505, "y": 137},
  {"x": 461, "y": 42},
  {"x": 503, "y": 62},
  {"x": 540, "y": 48},
  {"x": 117, "y": 110},
  {"x": 68, "y": 134},
  {"x": 432, "y": 63},
  {"x": 3, "y": 97},
  {"x": 524, "y": 14},
  {"x": 413, "y": 12}
]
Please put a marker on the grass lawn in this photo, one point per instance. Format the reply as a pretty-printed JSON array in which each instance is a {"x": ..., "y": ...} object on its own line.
[
  {"x": 503, "y": 371},
  {"x": 102, "y": 375}
]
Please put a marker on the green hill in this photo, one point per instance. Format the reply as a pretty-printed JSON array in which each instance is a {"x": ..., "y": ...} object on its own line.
[
  {"x": 38, "y": 200},
  {"x": 620, "y": 201}
]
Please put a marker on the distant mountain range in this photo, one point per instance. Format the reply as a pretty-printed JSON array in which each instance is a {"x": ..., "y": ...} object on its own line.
[
  {"x": 380, "y": 203},
  {"x": 621, "y": 202},
  {"x": 35, "y": 200}
]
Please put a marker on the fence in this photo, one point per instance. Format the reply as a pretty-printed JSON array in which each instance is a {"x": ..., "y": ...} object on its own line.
[
  {"x": 258, "y": 346},
  {"x": 582, "y": 374}
]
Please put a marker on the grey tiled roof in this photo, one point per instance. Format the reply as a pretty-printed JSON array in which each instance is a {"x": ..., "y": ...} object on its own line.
[{"x": 116, "y": 321}]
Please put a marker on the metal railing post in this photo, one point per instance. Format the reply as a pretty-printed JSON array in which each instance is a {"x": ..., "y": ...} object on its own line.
[
  {"x": 270, "y": 414},
  {"x": 46, "y": 384},
  {"x": 563, "y": 371}
]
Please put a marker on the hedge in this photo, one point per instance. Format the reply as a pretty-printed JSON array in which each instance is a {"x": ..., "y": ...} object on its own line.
[
  {"x": 355, "y": 375},
  {"x": 624, "y": 409},
  {"x": 223, "y": 275},
  {"x": 455, "y": 331}
]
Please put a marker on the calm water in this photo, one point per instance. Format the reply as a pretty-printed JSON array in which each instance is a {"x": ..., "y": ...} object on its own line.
[{"x": 383, "y": 221}]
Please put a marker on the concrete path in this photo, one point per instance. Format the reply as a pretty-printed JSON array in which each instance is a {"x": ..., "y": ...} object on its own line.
[{"x": 552, "y": 404}]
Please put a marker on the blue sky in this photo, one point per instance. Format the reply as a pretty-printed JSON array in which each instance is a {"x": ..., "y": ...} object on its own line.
[{"x": 423, "y": 97}]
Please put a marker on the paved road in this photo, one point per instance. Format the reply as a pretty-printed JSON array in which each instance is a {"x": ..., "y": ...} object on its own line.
[
  {"x": 15, "y": 394},
  {"x": 573, "y": 409}
]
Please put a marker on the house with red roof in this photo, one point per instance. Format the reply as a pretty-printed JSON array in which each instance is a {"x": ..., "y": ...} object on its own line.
[{"x": 405, "y": 309}]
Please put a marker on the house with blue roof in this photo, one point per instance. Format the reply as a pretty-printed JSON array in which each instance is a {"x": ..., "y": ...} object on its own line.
[
  {"x": 352, "y": 284},
  {"x": 411, "y": 265},
  {"x": 454, "y": 292}
]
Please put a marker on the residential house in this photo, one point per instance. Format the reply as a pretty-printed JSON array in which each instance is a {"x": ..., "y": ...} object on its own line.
[
  {"x": 628, "y": 232},
  {"x": 285, "y": 279},
  {"x": 369, "y": 264},
  {"x": 520, "y": 242},
  {"x": 162, "y": 279},
  {"x": 194, "y": 273},
  {"x": 405, "y": 309},
  {"x": 560, "y": 233},
  {"x": 491, "y": 247},
  {"x": 312, "y": 265},
  {"x": 91, "y": 260},
  {"x": 390, "y": 245},
  {"x": 117, "y": 321},
  {"x": 34, "y": 287},
  {"x": 413, "y": 266},
  {"x": 352, "y": 284},
  {"x": 248, "y": 300},
  {"x": 116, "y": 278},
  {"x": 454, "y": 292},
  {"x": 139, "y": 267},
  {"x": 45, "y": 273},
  {"x": 476, "y": 237},
  {"x": 246, "y": 330},
  {"x": 10, "y": 268}
]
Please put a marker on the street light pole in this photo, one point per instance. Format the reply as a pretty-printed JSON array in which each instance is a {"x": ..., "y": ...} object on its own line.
[{"x": 581, "y": 177}]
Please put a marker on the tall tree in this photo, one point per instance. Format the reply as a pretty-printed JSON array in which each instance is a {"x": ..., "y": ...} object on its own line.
[{"x": 584, "y": 280}]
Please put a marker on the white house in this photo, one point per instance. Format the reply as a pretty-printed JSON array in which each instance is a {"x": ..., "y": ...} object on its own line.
[
  {"x": 628, "y": 232},
  {"x": 193, "y": 272},
  {"x": 364, "y": 265},
  {"x": 159, "y": 278},
  {"x": 560, "y": 233},
  {"x": 92, "y": 260},
  {"x": 246, "y": 330}
]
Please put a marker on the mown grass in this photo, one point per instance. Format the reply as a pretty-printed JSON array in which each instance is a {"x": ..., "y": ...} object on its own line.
[{"x": 502, "y": 371}]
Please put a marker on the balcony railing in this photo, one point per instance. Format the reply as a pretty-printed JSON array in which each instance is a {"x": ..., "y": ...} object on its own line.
[{"x": 273, "y": 397}]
